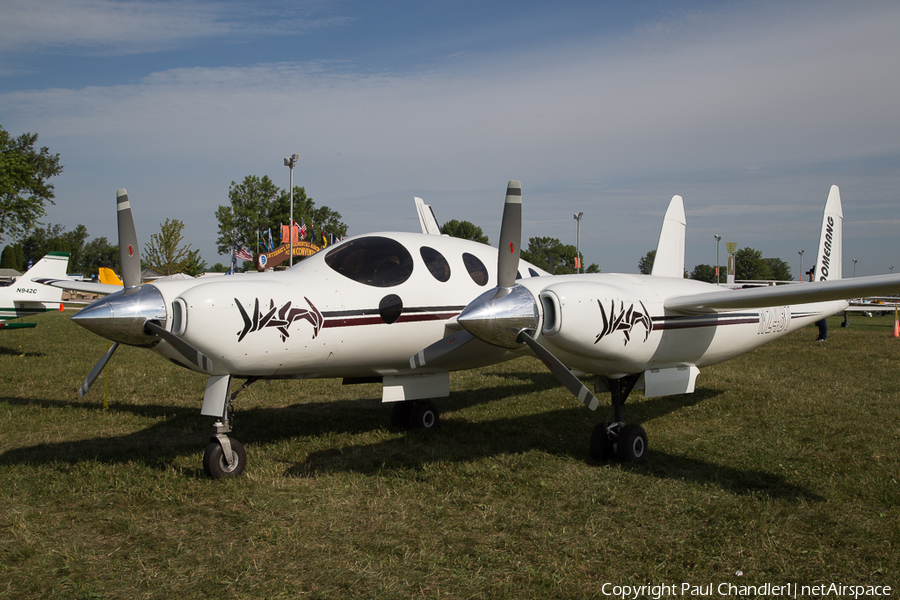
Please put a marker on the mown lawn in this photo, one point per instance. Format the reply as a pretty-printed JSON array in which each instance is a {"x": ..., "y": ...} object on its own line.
[{"x": 782, "y": 467}]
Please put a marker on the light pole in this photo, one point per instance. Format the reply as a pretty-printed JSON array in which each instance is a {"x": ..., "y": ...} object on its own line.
[
  {"x": 854, "y": 267},
  {"x": 718, "y": 239},
  {"x": 892, "y": 269},
  {"x": 801, "y": 263},
  {"x": 578, "y": 218},
  {"x": 290, "y": 162}
]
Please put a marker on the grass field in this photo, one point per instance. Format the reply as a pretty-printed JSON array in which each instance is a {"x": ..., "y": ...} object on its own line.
[{"x": 782, "y": 468}]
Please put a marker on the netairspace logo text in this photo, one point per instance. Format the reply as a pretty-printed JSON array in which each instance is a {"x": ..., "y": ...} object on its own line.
[{"x": 724, "y": 590}]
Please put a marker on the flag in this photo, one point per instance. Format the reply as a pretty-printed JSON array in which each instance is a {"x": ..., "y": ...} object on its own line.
[
  {"x": 324, "y": 240},
  {"x": 242, "y": 253},
  {"x": 271, "y": 245},
  {"x": 312, "y": 231},
  {"x": 302, "y": 229},
  {"x": 577, "y": 262}
]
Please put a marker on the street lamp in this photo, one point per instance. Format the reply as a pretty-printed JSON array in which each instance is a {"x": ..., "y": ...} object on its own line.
[
  {"x": 290, "y": 162},
  {"x": 801, "y": 263},
  {"x": 854, "y": 267},
  {"x": 718, "y": 239},
  {"x": 892, "y": 269},
  {"x": 578, "y": 218}
]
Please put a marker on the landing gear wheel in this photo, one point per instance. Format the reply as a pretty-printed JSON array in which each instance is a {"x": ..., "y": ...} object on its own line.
[
  {"x": 632, "y": 444},
  {"x": 401, "y": 413},
  {"x": 601, "y": 445},
  {"x": 424, "y": 416},
  {"x": 217, "y": 467}
]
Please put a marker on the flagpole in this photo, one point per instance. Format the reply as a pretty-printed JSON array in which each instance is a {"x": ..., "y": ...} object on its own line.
[{"x": 290, "y": 162}]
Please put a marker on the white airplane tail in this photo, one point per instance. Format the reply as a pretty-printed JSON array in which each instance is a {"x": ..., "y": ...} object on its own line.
[
  {"x": 829, "y": 257},
  {"x": 426, "y": 218},
  {"x": 52, "y": 266},
  {"x": 669, "y": 261}
]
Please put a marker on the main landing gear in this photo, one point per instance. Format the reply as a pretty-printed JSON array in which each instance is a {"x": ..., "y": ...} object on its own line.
[
  {"x": 415, "y": 414},
  {"x": 614, "y": 438}
]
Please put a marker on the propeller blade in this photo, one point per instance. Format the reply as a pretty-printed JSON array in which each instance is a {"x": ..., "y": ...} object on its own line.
[
  {"x": 510, "y": 236},
  {"x": 95, "y": 372},
  {"x": 194, "y": 356},
  {"x": 129, "y": 254},
  {"x": 561, "y": 372},
  {"x": 441, "y": 348}
]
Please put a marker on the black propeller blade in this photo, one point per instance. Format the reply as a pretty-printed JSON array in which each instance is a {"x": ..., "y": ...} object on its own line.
[
  {"x": 95, "y": 372},
  {"x": 440, "y": 349},
  {"x": 194, "y": 356},
  {"x": 561, "y": 372}
]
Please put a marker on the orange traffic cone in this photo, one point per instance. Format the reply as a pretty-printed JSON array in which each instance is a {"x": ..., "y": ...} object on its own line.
[{"x": 896, "y": 332}]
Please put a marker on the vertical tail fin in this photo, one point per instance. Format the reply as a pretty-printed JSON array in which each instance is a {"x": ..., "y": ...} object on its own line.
[
  {"x": 52, "y": 266},
  {"x": 426, "y": 218},
  {"x": 829, "y": 257},
  {"x": 669, "y": 261}
]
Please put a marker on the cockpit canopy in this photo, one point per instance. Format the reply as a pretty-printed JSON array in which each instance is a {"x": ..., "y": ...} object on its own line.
[{"x": 375, "y": 261}]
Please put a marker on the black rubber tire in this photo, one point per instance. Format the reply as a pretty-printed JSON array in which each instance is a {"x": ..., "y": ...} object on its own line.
[
  {"x": 601, "y": 445},
  {"x": 632, "y": 444},
  {"x": 424, "y": 416},
  {"x": 401, "y": 414},
  {"x": 214, "y": 460}
]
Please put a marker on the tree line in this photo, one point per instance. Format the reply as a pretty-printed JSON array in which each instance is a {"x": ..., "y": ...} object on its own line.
[{"x": 749, "y": 265}]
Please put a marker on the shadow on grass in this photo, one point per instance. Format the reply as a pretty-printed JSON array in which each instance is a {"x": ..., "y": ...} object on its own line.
[
  {"x": 181, "y": 431},
  {"x": 4, "y": 351}
]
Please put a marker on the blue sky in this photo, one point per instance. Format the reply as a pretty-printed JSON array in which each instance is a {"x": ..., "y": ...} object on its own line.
[{"x": 750, "y": 110}]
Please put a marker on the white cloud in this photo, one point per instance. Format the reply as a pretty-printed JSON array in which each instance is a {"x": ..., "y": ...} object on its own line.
[
  {"x": 136, "y": 26},
  {"x": 733, "y": 110}
]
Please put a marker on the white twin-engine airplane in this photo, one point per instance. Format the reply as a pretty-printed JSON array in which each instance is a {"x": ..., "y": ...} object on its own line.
[
  {"x": 365, "y": 308},
  {"x": 25, "y": 297}
]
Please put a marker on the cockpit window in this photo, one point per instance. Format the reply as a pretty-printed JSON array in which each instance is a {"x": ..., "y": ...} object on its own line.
[
  {"x": 533, "y": 273},
  {"x": 436, "y": 263},
  {"x": 375, "y": 261},
  {"x": 476, "y": 268}
]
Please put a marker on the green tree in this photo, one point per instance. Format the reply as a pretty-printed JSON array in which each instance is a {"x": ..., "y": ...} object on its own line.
[
  {"x": 645, "y": 265},
  {"x": 749, "y": 264},
  {"x": 24, "y": 190},
  {"x": 218, "y": 268},
  {"x": 318, "y": 219},
  {"x": 257, "y": 206},
  {"x": 705, "y": 273},
  {"x": 553, "y": 256},
  {"x": 465, "y": 230},
  {"x": 248, "y": 211},
  {"x": 779, "y": 270},
  {"x": 99, "y": 253},
  {"x": 193, "y": 265},
  {"x": 12, "y": 258},
  {"x": 165, "y": 253}
]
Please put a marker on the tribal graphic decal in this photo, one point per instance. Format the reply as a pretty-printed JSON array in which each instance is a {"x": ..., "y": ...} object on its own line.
[
  {"x": 625, "y": 321},
  {"x": 286, "y": 315}
]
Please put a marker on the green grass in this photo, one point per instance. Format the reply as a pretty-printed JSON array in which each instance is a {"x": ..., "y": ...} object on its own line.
[{"x": 783, "y": 466}]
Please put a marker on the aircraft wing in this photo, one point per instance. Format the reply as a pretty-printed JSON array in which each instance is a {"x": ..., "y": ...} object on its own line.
[
  {"x": 80, "y": 286},
  {"x": 818, "y": 291}
]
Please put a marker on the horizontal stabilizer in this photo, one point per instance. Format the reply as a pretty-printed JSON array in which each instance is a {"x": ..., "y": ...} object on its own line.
[
  {"x": 87, "y": 287},
  {"x": 798, "y": 293}
]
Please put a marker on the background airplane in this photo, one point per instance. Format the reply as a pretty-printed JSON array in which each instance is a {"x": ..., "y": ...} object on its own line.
[
  {"x": 24, "y": 297},
  {"x": 647, "y": 331}
]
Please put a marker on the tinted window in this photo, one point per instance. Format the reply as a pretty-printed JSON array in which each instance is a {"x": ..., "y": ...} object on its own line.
[
  {"x": 376, "y": 261},
  {"x": 436, "y": 263},
  {"x": 475, "y": 268},
  {"x": 533, "y": 272}
]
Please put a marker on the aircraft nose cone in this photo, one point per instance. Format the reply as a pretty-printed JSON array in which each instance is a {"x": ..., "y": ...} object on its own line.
[
  {"x": 498, "y": 320},
  {"x": 121, "y": 316}
]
